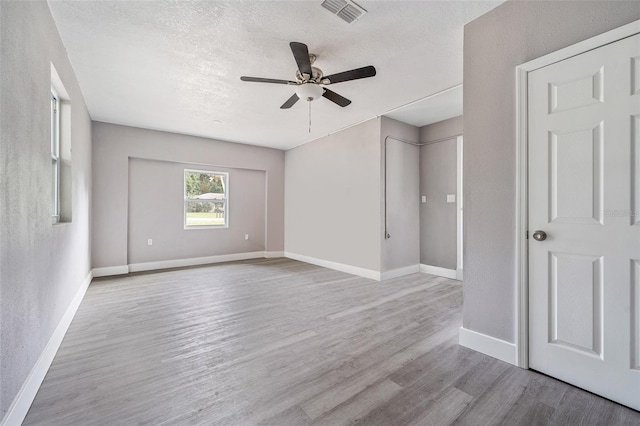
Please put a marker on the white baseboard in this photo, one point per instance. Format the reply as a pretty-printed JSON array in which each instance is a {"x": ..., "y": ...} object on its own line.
[
  {"x": 436, "y": 270},
  {"x": 107, "y": 271},
  {"x": 488, "y": 345},
  {"x": 395, "y": 273},
  {"x": 177, "y": 263},
  {"x": 354, "y": 270},
  {"x": 272, "y": 254},
  {"x": 22, "y": 402}
]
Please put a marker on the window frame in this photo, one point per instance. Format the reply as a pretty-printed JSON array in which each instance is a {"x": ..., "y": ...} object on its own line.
[
  {"x": 187, "y": 200},
  {"x": 55, "y": 155}
]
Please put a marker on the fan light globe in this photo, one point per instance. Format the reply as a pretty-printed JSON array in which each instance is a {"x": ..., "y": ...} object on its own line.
[{"x": 309, "y": 91}]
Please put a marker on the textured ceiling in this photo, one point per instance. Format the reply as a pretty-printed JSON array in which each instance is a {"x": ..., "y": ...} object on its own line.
[
  {"x": 440, "y": 106},
  {"x": 176, "y": 65}
]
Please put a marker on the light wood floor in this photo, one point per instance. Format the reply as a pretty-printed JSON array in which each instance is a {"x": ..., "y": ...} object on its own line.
[{"x": 280, "y": 342}]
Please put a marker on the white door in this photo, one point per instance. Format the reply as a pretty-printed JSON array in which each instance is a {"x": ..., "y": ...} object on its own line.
[{"x": 584, "y": 193}]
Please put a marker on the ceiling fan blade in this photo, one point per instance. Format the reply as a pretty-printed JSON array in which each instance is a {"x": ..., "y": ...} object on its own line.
[
  {"x": 356, "y": 74},
  {"x": 335, "y": 98},
  {"x": 301, "y": 54},
  {"x": 267, "y": 80},
  {"x": 290, "y": 102}
]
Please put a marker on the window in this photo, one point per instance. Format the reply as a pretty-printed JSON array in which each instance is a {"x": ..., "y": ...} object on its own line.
[
  {"x": 206, "y": 199},
  {"x": 61, "y": 165},
  {"x": 55, "y": 156}
]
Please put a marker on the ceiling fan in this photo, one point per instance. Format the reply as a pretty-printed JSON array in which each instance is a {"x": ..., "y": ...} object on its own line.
[{"x": 310, "y": 80}]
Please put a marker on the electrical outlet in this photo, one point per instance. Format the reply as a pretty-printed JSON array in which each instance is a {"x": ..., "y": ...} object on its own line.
[
  {"x": 246, "y": 236},
  {"x": 149, "y": 242}
]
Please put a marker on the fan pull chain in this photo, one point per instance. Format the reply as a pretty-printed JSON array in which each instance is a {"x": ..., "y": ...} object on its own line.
[{"x": 309, "y": 116}]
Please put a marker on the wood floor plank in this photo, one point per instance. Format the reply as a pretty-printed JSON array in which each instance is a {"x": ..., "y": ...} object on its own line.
[
  {"x": 381, "y": 301},
  {"x": 424, "y": 381},
  {"x": 494, "y": 404},
  {"x": 281, "y": 342},
  {"x": 294, "y": 416},
  {"x": 360, "y": 405},
  {"x": 336, "y": 395},
  {"x": 545, "y": 389},
  {"x": 581, "y": 407},
  {"x": 526, "y": 410},
  {"x": 444, "y": 410},
  {"x": 479, "y": 378}
]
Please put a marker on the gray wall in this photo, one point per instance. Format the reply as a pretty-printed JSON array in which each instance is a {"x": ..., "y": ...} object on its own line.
[
  {"x": 403, "y": 220},
  {"x": 494, "y": 44},
  {"x": 332, "y": 188},
  {"x": 438, "y": 172},
  {"x": 42, "y": 266},
  {"x": 156, "y": 200},
  {"x": 443, "y": 129},
  {"x": 113, "y": 145}
]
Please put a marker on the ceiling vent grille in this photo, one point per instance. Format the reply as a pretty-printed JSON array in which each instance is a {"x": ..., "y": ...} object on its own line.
[{"x": 348, "y": 11}]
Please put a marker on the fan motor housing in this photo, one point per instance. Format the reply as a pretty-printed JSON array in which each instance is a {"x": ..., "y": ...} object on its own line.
[{"x": 315, "y": 77}]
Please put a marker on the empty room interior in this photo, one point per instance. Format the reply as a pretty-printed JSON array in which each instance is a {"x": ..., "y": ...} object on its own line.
[{"x": 319, "y": 212}]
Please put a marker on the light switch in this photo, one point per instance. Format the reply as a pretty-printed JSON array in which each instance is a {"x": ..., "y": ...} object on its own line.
[
  {"x": 424, "y": 198},
  {"x": 451, "y": 198}
]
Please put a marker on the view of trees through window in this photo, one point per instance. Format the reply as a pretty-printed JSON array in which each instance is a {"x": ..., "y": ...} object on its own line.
[{"x": 205, "y": 198}]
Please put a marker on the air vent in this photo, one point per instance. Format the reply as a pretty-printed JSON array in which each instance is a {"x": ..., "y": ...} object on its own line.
[{"x": 348, "y": 11}]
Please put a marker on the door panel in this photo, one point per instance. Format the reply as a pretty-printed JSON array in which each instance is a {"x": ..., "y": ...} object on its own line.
[
  {"x": 576, "y": 176},
  {"x": 576, "y": 302},
  {"x": 635, "y": 75},
  {"x": 635, "y": 169},
  {"x": 584, "y": 183},
  {"x": 576, "y": 93}
]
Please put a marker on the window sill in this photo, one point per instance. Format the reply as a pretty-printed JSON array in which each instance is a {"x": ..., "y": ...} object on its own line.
[{"x": 197, "y": 228}]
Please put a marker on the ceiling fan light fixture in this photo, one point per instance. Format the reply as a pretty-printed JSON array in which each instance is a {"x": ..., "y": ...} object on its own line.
[
  {"x": 309, "y": 91},
  {"x": 309, "y": 79}
]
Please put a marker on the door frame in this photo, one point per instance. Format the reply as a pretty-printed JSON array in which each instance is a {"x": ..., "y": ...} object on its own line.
[
  {"x": 522, "y": 193},
  {"x": 459, "y": 208}
]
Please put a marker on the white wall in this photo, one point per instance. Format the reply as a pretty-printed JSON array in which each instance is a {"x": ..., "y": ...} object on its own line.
[
  {"x": 114, "y": 145},
  {"x": 438, "y": 172},
  {"x": 494, "y": 44},
  {"x": 403, "y": 219},
  {"x": 42, "y": 266},
  {"x": 332, "y": 191}
]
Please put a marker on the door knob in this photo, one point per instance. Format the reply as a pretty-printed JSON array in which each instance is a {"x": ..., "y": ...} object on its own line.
[{"x": 539, "y": 235}]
